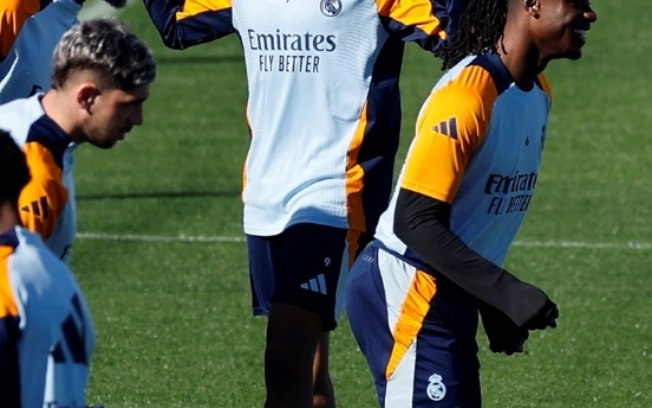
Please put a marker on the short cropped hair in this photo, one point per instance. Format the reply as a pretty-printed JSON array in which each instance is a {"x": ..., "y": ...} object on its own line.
[
  {"x": 106, "y": 47},
  {"x": 14, "y": 173}
]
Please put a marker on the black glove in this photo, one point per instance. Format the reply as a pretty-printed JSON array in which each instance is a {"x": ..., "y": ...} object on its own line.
[
  {"x": 503, "y": 334},
  {"x": 545, "y": 317}
]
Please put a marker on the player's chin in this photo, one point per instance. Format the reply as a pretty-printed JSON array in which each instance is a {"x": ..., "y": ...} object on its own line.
[
  {"x": 108, "y": 143},
  {"x": 117, "y": 3},
  {"x": 574, "y": 54},
  {"x": 575, "y": 50}
]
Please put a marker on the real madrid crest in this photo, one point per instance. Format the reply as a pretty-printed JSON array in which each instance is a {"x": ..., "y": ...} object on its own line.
[
  {"x": 436, "y": 389},
  {"x": 330, "y": 8}
]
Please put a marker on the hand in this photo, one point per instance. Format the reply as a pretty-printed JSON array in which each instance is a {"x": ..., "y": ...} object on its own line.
[
  {"x": 503, "y": 334},
  {"x": 545, "y": 317}
]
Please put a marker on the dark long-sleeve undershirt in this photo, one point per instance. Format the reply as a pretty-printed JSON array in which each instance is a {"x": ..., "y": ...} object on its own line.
[{"x": 423, "y": 224}]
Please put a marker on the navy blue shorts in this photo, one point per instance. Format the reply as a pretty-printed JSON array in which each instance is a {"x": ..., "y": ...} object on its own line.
[
  {"x": 416, "y": 332},
  {"x": 304, "y": 266}
]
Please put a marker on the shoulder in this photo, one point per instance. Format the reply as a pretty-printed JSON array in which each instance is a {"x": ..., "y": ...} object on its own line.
[
  {"x": 32, "y": 129},
  {"x": 34, "y": 267},
  {"x": 483, "y": 75},
  {"x": 18, "y": 116},
  {"x": 469, "y": 90}
]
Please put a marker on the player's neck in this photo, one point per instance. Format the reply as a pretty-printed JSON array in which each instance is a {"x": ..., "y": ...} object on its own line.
[
  {"x": 56, "y": 106},
  {"x": 521, "y": 60}
]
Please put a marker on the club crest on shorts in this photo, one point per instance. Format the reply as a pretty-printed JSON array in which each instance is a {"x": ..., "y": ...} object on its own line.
[
  {"x": 436, "y": 389},
  {"x": 330, "y": 8}
]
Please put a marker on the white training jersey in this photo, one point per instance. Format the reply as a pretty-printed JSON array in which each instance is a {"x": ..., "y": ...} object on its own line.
[
  {"x": 478, "y": 146},
  {"x": 28, "y": 70},
  {"x": 323, "y": 108},
  {"x": 47, "y": 203},
  {"x": 56, "y": 333}
]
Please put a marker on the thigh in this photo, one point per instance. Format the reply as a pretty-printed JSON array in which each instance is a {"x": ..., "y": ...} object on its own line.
[
  {"x": 368, "y": 316},
  {"x": 446, "y": 369},
  {"x": 261, "y": 273},
  {"x": 300, "y": 267},
  {"x": 416, "y": 332},
  {"x": 437, "y": 371},
  {"x": 441, "y": 367}
]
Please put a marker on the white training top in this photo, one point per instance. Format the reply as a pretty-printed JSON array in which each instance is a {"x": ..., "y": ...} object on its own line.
[
  {"x": 56, "y": 333},
  {"x": 27, "y": 123},
  {"x": 478, "y": 146},
  {"x": 323, "y": 109}
]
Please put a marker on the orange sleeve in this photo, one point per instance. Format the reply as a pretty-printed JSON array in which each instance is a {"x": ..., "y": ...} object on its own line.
[
  {"x": 13, "y": 14},
  {"x": 43, "y": 199},
  {"x": 192, "y": 8},
  {"x": 414, "y": 13},
  {"x": 452, "y": 124},
  {"x": 7, "y": 301}
]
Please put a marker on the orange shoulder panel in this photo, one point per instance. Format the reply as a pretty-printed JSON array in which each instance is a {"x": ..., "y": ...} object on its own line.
[
  {"x": 416, "y": 13},
  {"x": 13, "y": 14},
  {"x": 545, "y": 85},
  {"x": 7, "y": 300},
  {"x": 193, "y": 7},
  {"x": 451, "y": 125},
  {"x": 44, "y": 197}
]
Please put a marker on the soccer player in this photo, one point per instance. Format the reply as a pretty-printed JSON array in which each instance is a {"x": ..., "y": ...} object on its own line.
[
  {"x": 28, "y": 61},
  {"x": 415, "y": 292},
  {"x": 324, "y": 114},
  {"x": 46, "y": 331},
  {"x": 13, "y": 14},
  {"x": 101, "y": 78}
]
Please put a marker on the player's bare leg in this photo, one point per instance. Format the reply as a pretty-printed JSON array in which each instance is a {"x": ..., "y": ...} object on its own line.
[
  {"x": 324, "y": 396},
  {"x": 292, "y": 338}
]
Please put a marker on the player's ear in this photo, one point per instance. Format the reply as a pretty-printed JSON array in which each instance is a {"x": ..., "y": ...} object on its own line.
[
  {"x": 532, "y": 7},
  {"x": 86, "y": 96}
]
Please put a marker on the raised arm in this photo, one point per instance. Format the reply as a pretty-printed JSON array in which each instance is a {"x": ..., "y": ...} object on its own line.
[
  {"x": 184, "y": 23},
  {"x": 428, "y": 23}
]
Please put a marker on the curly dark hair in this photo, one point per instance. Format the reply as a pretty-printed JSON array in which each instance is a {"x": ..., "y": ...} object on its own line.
[{"x": 480, "y": 28}]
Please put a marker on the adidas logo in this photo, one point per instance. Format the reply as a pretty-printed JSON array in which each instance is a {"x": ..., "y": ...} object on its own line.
[
  {"x": 37, "y": 207},
  {"x": 447, "y": 128},
  {"x": 316, "y": 284}
]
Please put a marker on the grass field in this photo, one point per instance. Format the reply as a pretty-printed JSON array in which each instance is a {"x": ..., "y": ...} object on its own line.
[{"x": 161, "y": 258}]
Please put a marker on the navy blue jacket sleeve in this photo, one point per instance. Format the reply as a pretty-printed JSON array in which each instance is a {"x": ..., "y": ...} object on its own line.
[{"x": 183, "y": 24}]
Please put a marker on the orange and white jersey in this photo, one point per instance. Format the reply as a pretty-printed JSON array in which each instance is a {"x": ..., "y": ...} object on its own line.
[
  {"x": 13, "y": 14},
  {"x": 324, "y": 107},
  {"x": 46, "y": 204},
  {"x": 478, "y": 146},
  {"x": 27, "y": 68},
  {"x": 47, "y": 335}
]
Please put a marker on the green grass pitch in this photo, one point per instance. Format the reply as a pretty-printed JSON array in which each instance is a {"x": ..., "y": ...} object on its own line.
[{"x": 172, "y": 314}]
